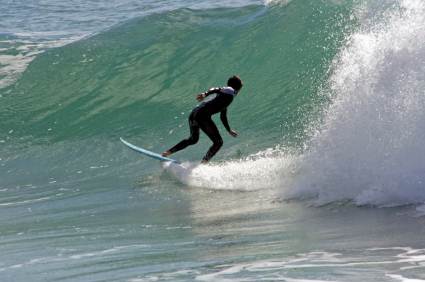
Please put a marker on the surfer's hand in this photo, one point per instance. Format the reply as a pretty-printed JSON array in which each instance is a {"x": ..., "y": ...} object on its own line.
[
  {"x": 200, "y": 97},
  {"x": 233, "y": 133}
]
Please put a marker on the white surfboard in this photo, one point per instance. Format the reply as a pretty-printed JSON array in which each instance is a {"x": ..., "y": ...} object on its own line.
[{"x": 148, "y": 153}]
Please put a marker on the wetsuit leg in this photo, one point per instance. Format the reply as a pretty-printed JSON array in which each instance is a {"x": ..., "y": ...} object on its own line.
[
  {"x": 210, "y": 129},
  {"x": 193, "y": 138}
]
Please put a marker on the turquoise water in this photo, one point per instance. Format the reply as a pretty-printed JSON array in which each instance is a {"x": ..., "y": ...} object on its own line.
[{"x": 324, "y": 183}]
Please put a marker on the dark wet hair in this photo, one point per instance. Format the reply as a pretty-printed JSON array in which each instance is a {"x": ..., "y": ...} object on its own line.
[{"x": 235, "y": 82}]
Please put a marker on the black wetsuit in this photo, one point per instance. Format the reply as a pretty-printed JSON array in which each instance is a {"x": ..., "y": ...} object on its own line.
[{"x": 200, "y": 118}]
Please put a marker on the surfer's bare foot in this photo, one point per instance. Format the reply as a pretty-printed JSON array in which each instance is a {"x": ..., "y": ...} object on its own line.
[
  {"x": 204, "y": 162},
  {"x": 166, "y": 154}
]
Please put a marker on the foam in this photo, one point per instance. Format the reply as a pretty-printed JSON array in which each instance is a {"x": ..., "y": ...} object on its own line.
[
  {"x": 265, "y": 170},
  {"x": 321, "y": 262},
  {"x": 404, "y": 279},
  {"x": 12, "y": 66},
  {"x": 276, "y": 2}
]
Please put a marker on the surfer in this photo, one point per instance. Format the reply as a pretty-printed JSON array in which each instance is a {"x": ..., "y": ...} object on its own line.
[{"x": 200, "y": 118}]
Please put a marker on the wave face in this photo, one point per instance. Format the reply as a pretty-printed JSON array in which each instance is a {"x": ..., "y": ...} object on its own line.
[{"x": 140, "y": 76}]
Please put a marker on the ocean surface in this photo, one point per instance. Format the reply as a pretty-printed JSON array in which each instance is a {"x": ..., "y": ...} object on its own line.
[{"x": 326, "y": 181}]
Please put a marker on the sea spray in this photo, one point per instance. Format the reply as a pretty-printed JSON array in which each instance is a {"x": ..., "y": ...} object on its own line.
[{"x": 370, "y": 148}]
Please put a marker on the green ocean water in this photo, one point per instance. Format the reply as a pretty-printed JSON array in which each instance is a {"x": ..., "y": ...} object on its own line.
[
  {"x": 135, "y": 78},
  {"x": 77, "y": 205}
]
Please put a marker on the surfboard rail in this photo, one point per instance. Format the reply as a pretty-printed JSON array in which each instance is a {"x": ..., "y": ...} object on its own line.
[{"x": 147, "y": 152}]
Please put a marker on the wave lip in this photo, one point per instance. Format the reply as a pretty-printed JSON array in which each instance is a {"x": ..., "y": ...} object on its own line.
[{"x": 20, "y": 51}]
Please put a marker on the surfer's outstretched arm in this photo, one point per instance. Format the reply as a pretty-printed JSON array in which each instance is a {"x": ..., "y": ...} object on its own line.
[
  {"x": 201, "y": 96},
  {"x": 223, "y": 117}
]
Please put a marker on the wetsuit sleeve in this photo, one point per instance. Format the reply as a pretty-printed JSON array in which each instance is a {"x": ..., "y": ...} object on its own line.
[
  {"x": 212, "y": 91},
  {"x": 223, "y": 117}
]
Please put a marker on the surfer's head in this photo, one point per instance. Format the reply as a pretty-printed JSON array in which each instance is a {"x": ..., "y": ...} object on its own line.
[{"x": 235, "y": 82}]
